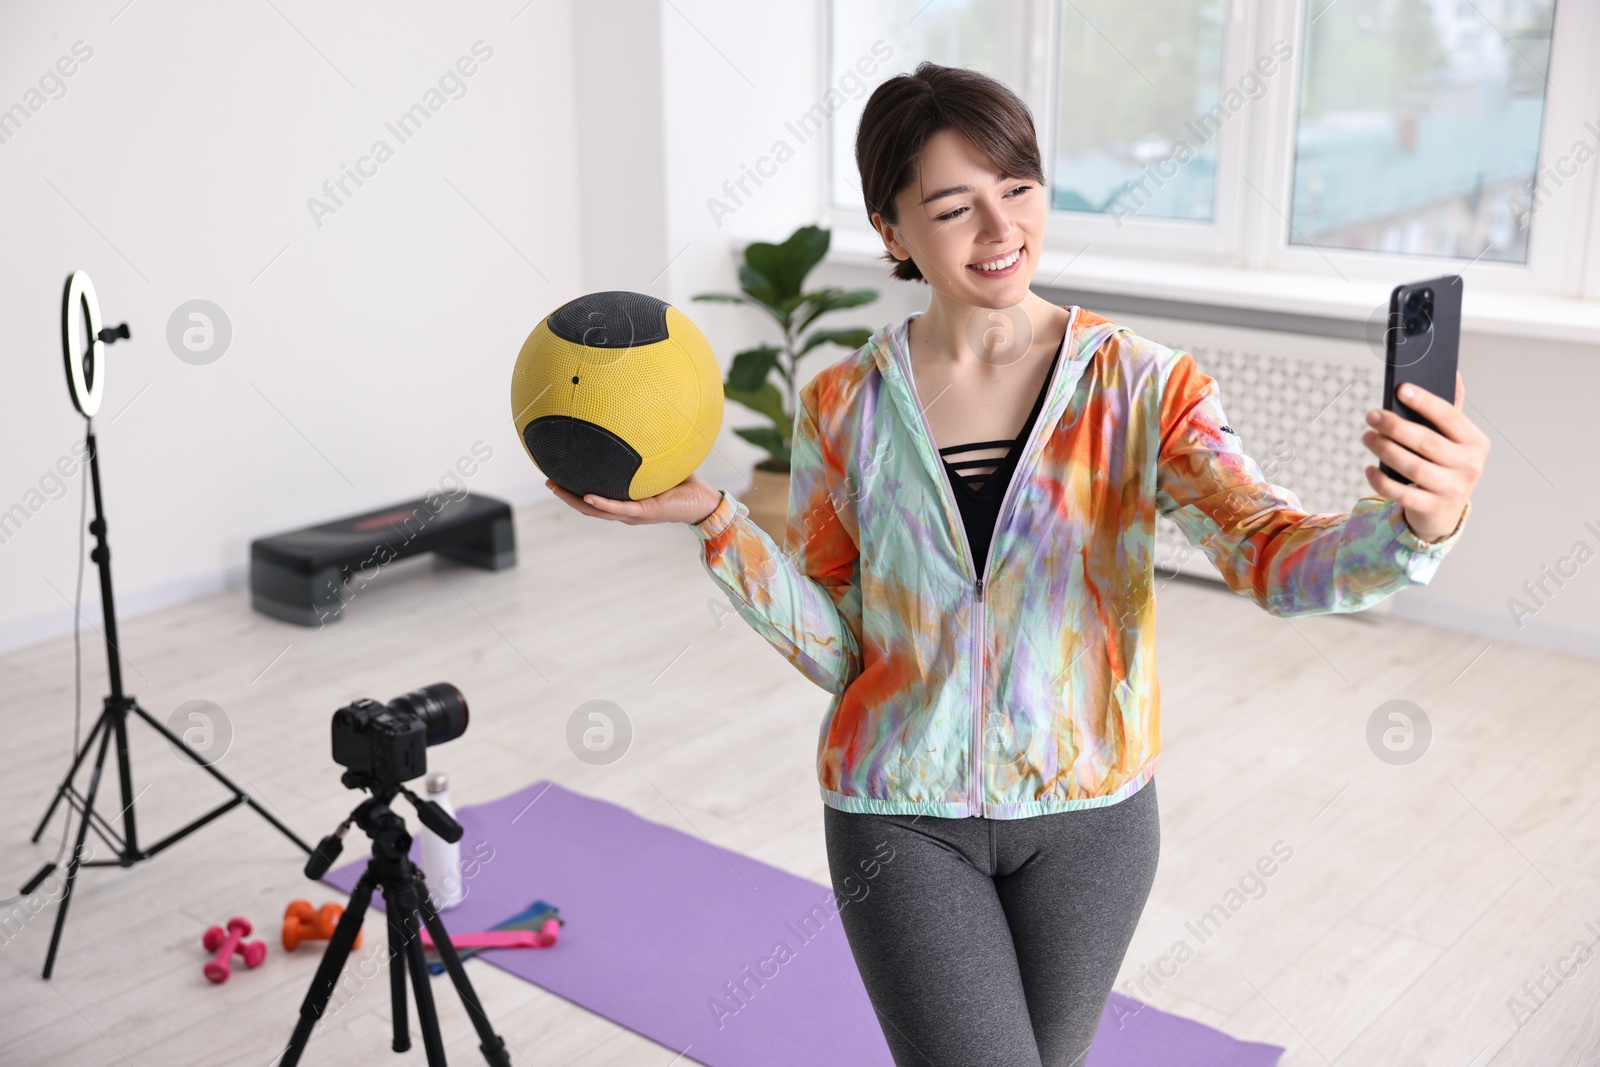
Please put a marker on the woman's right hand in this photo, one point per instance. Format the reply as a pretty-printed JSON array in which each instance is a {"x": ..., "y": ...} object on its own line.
[{"x": 691, "y": 500}]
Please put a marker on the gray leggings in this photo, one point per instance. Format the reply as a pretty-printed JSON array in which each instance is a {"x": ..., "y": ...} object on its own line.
[{"x": 992, "y": 941}]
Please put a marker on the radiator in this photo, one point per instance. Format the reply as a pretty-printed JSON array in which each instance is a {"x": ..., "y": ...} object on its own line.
[{"x": 1299, "y": 403}]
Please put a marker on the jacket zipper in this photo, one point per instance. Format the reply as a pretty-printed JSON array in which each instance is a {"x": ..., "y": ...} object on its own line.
[
  {"x": 953, "y": 508},
  {"x": 976, "y": 768}
]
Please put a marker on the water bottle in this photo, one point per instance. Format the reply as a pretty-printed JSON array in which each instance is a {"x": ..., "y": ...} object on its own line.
[{"x": 441, "y": 860}]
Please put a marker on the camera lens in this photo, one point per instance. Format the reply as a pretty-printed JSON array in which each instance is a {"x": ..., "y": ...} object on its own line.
[{"x": 442, "y": 709}]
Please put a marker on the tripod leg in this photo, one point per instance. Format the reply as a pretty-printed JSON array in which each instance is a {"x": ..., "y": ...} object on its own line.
[
  {"x": 183, "y": 747},
  {"x": 397, "y": 975},
  {"x": 130, "y": 833},
  {"x": 492, "y": 1044},
  {"x": 77, "y": 852},
  {"x": 403, "y": 901},
  {"x": 72, "y": 772},
  {"x": 327, "y": 976}
]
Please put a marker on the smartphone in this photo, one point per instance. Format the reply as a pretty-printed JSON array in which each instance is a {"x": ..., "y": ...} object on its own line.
[{"x": 1421, "y": 343}]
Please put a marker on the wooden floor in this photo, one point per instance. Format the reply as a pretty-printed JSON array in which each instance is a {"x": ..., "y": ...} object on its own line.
[{"x": 1415, "y": 904}]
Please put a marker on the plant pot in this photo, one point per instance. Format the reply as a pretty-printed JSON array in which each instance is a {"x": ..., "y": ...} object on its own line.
[{"x": 768, "y": 500}]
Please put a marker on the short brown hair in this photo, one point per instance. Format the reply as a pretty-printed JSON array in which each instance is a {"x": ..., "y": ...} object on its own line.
[{"x": 908, "y": 109}]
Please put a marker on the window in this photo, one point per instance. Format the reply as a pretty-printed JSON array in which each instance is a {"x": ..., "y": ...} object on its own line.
[
  {"x": 1138, "y": 84},
  {"x": 1419, "y": 126},
  {"x": 1367, "y": 138},
  {"x": 956, "y": 33}
]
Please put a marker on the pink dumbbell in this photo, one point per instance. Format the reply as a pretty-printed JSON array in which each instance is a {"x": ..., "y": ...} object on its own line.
[{"x": 226, "y": 943}]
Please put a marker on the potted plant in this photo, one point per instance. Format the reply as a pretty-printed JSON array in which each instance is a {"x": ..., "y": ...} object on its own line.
[{"x": 772, "y": 279}]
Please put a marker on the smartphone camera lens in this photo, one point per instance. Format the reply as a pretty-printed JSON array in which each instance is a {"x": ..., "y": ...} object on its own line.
[{"x": 1417, "y": 311}]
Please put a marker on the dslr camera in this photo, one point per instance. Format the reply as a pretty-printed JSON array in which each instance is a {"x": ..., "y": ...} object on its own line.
[{"x": 387, "y": 744}]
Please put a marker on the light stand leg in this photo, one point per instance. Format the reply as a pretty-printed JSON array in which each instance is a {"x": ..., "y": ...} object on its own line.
[
  {"x": 183, "y": 746},
  {"x": 72, "y": 772},
  {"x": 77, "y": 852},
  {"x": 130, "y": 832}
]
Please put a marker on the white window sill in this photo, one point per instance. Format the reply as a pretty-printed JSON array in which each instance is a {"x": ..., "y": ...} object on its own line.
[{"x": 1503, "y": 314}]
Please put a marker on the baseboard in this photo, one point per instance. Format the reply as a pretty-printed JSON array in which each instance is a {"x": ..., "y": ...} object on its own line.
[
  {"x": 1498, "y": 626},
  {"x": 133, "y": 601}
]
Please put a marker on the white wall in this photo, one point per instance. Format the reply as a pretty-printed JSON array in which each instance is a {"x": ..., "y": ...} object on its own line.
[
  {"x": 1539, "y": 496},
  {"x": 621, "y": 133},
  {"x": 369, "y": 352},
  {"x": 731, "y": 84}
]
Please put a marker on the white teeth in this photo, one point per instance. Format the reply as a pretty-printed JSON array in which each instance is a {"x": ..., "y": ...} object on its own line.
[{"x": 1001, "y": 264}]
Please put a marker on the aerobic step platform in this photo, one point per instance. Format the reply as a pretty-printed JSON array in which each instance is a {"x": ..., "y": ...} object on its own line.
[{"x": 300, "y": 576}]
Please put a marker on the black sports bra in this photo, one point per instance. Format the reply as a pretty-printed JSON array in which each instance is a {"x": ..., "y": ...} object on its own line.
[{"x": 980, "y": 481}]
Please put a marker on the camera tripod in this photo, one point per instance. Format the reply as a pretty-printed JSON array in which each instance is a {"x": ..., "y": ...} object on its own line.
[
  {"x": 406, "y": 901},
  {"x": 113, "y": 724}
]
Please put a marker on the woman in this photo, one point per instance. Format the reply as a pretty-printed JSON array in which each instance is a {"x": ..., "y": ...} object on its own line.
[{"x": 968, "y": 568}]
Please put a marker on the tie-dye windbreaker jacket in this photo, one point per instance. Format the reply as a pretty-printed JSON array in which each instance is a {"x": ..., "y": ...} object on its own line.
[{"x": 1025, "y": 684}]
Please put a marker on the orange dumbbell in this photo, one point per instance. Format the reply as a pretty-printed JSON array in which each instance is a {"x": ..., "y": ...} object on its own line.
[{"x": 302, "y": 922}]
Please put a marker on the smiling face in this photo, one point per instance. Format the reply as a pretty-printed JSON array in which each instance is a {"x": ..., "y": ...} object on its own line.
[{"x": 975, "y": 234}]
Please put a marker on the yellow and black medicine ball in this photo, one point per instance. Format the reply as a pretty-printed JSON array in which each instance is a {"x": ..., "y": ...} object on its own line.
[{"x": 617, "y": 394}]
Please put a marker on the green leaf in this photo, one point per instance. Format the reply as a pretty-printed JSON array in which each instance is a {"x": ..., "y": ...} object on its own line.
[
  {"x": 751, "y": 367},
  {"x": 825, "y": 300},
  {"x": 851, "y": 339},
  {"x": 786, "y": 265},
  {"x": 721, "y": 298},
  {"x": 838, "y": 299},
  {"x": 766, "y": 400},
  {"x": 769, "y": 439},
  {"x": 763, "y": 296},
  {"x": 758, "y": 285}
]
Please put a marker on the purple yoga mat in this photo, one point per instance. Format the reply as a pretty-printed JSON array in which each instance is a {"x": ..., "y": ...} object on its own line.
[{"x": 713, "y": 954}]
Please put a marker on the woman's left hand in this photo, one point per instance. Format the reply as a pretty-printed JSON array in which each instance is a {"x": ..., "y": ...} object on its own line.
[{"x": 1443, "y": 466}]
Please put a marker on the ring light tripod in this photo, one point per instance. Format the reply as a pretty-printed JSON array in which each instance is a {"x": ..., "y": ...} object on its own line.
[{"x": 80, "y": 322}]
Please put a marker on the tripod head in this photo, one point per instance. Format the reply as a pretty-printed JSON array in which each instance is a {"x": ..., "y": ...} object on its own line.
[{"x": 390, "y": 838}]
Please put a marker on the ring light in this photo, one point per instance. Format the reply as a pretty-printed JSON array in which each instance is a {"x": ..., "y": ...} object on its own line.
[{"x": 86, "y": 379}]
